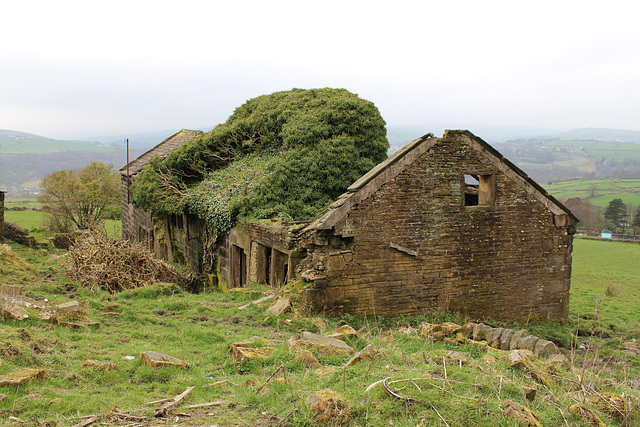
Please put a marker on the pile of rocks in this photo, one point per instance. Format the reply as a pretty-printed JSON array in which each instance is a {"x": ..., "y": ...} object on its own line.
[{"x": 500, "y": 338}]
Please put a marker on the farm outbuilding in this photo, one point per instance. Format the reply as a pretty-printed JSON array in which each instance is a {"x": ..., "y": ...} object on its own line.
[{"x": 444, "y": 224}]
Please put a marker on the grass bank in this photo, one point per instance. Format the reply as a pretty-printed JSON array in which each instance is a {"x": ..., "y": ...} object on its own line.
[{"x": 434, "y": 387}]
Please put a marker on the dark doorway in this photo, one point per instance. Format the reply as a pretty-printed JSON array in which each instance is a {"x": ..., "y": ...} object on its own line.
[{"x": 238, "y": 267}]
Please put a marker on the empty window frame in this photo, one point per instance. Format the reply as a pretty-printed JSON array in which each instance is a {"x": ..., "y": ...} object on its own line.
[{"x": 479, "y": 190}]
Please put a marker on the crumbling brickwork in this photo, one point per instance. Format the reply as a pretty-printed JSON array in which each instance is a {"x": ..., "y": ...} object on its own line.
[{"x": 413, "y": 245}]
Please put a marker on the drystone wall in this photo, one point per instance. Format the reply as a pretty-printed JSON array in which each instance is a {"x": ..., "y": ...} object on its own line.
[{"x": 414, "y": 246}]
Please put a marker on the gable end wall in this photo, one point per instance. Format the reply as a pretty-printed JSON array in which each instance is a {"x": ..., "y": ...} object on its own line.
[{"x": 413, "y": 246}]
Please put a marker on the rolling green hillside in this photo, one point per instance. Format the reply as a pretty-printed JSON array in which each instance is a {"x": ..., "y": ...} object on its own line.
[
  {"x": 27, "y": 158},
  {"x": 598, "y": 191}
]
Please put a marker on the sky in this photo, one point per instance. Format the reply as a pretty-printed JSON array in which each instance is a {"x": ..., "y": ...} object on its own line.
[{"x": 71, "y": 69}]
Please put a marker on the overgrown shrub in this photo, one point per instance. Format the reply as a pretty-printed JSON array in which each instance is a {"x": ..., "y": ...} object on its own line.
[{"x": 286, "y": 155}]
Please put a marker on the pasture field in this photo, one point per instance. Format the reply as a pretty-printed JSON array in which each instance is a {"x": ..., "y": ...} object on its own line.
[
  {"x": 46, "y": 146},
  {"x": 275, "y": 391},
  {"x": 602, "y": 149},
  {"x": 598, "y": 191},
  {"x": 33, "y": 219}
]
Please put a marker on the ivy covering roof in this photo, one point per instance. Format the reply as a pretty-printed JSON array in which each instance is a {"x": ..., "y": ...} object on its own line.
[{"x": 287, "y": 155}]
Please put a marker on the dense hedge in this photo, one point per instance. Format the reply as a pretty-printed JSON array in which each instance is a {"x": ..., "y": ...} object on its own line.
[{"x": 288, "y": 154}]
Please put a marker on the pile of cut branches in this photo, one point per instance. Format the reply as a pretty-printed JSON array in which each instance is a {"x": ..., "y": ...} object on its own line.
[{"x": 102, "y": 262}]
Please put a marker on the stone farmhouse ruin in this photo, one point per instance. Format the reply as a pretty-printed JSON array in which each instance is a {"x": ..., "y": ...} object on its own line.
[{"x": 443, "y": 224}]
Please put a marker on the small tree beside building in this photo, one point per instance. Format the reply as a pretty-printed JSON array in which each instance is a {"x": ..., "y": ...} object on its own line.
[{"x": 80, "y": 198}]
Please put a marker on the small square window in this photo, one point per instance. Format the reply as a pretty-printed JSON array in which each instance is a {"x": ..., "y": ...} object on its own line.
[{"x": 479, "y": 190}]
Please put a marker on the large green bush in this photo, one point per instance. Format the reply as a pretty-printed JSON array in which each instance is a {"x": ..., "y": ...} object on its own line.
[{"x": 286, "y": 155}]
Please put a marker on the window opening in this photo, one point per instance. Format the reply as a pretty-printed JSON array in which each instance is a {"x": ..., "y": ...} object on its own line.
[
  {"x": 479, "y": 190},
  {"x": 471, "y": 190}
]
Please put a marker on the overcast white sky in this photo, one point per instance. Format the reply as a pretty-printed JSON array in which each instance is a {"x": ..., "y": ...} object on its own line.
[{"x": 88, "y": 68}]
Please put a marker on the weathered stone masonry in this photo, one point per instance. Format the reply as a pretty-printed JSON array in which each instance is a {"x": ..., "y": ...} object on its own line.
[
  {"x": 444, "y": 224},
  {"x": 413, "y": 245}
]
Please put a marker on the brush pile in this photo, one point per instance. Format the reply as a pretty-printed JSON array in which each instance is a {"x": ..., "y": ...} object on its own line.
[{"x": 98, "y": 261}]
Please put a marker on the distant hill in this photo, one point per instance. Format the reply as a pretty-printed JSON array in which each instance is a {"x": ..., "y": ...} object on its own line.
[
  {"x": 13, "y": 134},
  {"x": 600, "y": 134},
  {"x": 544, "y": 155},
  {"x": 399, "y": 136},
  {"x": 26, "y": 158}
]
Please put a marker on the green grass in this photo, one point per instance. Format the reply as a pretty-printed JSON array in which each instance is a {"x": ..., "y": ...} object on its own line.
[
  {"x": 44, "y": 146},
  {"x": 598, "y": 191},
  {"x": 606, "y": 274},
  {"x": 199, "y": 329},
  {"x": 602, "y": 149},
  {"x": 34, "y": 220}
]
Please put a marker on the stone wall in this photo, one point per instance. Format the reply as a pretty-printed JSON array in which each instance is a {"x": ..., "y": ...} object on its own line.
[
  {"x": 137, "y": 225},
  {"x": 260, "y": 252},
  {"x": 413, "y": 246},
  {"x": 19, "y": 234}
]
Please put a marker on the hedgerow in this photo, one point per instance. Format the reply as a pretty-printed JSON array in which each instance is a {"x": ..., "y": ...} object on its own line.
[{"x": 285, "y": 155}]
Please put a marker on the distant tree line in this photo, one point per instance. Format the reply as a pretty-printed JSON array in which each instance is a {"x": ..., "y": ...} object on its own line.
[{"x": 617, "y": 217}]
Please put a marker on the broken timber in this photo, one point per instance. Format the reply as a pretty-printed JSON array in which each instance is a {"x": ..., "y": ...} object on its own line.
[{"x": 167, "y": 407}]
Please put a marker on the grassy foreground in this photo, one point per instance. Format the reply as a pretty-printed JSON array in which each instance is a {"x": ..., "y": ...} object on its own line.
[{"x": 200, "y": 328}]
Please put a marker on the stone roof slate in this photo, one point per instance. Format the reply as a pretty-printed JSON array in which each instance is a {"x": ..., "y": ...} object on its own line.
[{"x": 170, "y": 144}]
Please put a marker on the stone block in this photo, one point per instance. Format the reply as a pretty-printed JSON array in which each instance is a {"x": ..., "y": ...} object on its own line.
[
  {"x": 22, "y": 376},
  {"x": 155, "y": 359},
  {"x": 347, "y": 331},
  {"x": 70, "y": 309},
  {"x": 544, "y": 348},
  {"x": 367, "y": 353},
  {"x": 559, "y": 360},
  {"x": 280, "y": 306},
  {"x": 479, "y": 332},
  {"x": 101, "y": 366},
  {"x": 308, "y": 359},
  {"x": 505, "y": 339},
  {"x": 324, "y": 345},
  {"x": 515, "y": 338},
  {"x": 528, "y": 342},
  {"x": 467, "y": 330}
]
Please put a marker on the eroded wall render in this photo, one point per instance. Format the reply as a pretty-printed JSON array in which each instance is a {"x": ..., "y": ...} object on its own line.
[{"x": 413, "y": 246}]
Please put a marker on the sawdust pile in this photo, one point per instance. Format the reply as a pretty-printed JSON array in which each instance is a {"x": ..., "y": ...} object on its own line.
[{"x": 98, "y": 261}]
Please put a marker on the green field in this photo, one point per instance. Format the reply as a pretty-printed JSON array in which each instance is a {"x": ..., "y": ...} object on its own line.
[
  {"x": 599, "y": 267},
  {"x": 46, "y": 146},
  {"x": 598, "y": 191},
  {"x": 200, "y": 329},
  {"x": 33, "y": 220},
  {"x": 602, "y": 149}
]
